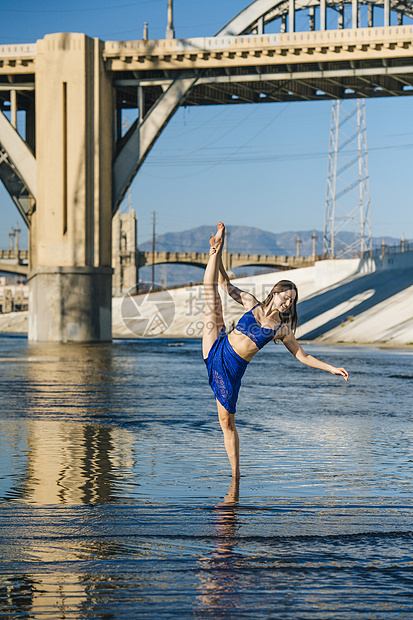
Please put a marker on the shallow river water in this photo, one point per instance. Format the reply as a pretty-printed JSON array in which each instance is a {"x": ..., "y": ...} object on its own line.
[{"x": 116, "y": 499}]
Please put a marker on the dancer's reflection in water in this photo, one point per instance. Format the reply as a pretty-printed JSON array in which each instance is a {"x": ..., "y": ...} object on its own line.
[
  {"x": 232, "y": 497},
  {"x": 218, "y": 573}
]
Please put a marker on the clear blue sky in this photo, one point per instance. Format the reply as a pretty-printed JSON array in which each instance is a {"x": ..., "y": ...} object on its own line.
[{"x": 256, "y": 165}]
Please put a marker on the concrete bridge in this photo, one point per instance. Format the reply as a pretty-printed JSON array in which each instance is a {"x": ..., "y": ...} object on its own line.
[
  {"x": 16, "y": 262},
  {"x": 12, "y": 261},
  {"x": 71, "y": 169},
  {"x": 231, "y": 260}
]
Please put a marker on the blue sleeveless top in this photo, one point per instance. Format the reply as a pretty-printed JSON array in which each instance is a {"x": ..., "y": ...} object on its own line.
[{"x": 249, "y": 326}]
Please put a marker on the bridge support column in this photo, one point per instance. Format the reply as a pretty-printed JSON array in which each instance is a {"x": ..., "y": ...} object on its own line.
[
  {"x": 70, "y": 232},
  {"x": 73, "y": 304}
]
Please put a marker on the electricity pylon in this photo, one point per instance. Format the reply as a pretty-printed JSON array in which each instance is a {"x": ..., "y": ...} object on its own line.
[{"x": 347, "y": 225}]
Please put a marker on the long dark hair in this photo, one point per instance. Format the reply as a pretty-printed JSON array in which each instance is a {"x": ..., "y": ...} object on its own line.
[{"x": 290, "y": 316}]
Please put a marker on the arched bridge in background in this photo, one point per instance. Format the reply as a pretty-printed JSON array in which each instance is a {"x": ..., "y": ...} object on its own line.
[
  {"x": 70, "y": 169},
  {"x": 16, "y": 261},
  {"x": 230, "y": 260}
]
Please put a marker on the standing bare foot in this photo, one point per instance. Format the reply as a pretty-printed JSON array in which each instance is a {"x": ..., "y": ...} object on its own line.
[{"x": 218, "y": 239}]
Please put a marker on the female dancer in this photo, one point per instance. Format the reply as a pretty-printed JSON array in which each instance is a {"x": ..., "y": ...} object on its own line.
[{"x": 227, "y": 356}]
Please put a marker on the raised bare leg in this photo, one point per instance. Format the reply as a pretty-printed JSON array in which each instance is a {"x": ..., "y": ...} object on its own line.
[
  {"x": 218, "y": 238},
  {"x": 223, "y": 278},
  {"x": 213, "y": 319},
  {"x": 231, "y": 439}
]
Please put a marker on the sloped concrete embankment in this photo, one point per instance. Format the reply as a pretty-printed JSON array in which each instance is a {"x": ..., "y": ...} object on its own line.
[{"x": 374, "y": 306}]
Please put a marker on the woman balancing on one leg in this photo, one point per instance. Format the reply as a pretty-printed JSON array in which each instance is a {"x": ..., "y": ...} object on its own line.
[{"x": 227, "y": 356}]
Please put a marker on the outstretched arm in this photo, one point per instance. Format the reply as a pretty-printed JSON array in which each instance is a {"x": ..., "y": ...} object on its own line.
[
  {"x": 240, "y": 296},
  {"x": 297, "y": 350}
]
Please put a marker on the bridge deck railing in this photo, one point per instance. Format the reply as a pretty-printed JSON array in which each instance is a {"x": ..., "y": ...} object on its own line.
[
  {"x": 389, "y": 249},
  {"x": 14, "y": 254}
]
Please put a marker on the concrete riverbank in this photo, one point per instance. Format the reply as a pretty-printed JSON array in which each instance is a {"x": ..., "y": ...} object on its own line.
[{"x": 350, "y": 301}]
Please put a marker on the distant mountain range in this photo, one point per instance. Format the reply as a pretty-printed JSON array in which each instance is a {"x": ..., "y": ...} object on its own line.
[
  {"x": 248, "y": 240},
  {"x": 244, "y": 239}
]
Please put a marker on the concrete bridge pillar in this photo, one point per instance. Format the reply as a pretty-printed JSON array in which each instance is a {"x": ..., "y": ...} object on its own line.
[{"x": 70, "y": 233}]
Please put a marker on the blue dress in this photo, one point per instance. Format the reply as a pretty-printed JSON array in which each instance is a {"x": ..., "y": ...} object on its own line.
[{"x": 226, "y": 368}]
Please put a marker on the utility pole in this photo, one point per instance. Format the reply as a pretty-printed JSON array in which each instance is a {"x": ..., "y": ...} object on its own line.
[
  {"x": 298, "y": 242},
  {"x": 11, "y": 235},
  {"x": 153, "y": 248},
  {"x": 17, "y": 230},
  {"x": 314, "y": 237}
]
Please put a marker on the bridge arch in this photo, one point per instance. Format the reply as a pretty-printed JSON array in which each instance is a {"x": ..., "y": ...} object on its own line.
[
  {"x": 15, "y": 269},
  {"x": 191, "y": 259},
  {"x": 231, "y": 259},
  {"x": 17, "y": 159},
  {"x": 260, "y": 13},
  {"x": 141, "y": 137}
]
